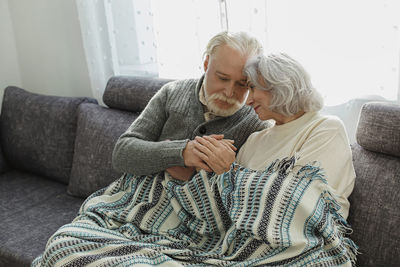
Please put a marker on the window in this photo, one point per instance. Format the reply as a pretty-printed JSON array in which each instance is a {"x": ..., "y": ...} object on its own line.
[{"x": 350, "y": 48}]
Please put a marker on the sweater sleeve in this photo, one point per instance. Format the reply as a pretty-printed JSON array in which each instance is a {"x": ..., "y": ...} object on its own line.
[
  {"x": 329, "y": 147},
  {"x": 138, "y": 151}
]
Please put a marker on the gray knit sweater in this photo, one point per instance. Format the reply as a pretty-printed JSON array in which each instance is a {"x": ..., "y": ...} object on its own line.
[{"x": 156, "y": 139}]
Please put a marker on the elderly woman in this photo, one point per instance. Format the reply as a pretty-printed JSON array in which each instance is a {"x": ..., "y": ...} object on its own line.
[{"x": 281, "y": 90}]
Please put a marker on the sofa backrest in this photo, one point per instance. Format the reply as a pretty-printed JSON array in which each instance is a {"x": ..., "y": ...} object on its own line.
[
  {"x": 375, "y": 205},
  {"x": 97, "y": 132},
  {"x": 131, "y": 93},
  {"x": 37, "y": 132}
]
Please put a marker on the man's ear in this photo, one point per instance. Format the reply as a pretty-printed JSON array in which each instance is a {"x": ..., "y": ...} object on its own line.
[{"x": 205, "y": 64}]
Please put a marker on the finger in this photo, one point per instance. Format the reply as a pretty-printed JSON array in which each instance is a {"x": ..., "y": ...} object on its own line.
[
  {"x": 230, "y": 145},
  {"x": 218, "y": 158},
  {"x": 198, "y": 138},
  {"x": 214, "y": 163},
  {"x": 203, "y": 165},
  {"x": 222, "y": 149},
  {"x": 217, "y": 136},
  {"x": 213, "y": 141},
  {"x": 205, "y": 150},
  {"x": 201, "y": 156},
  {"x": 217, "y": 143},
  {"x": 205, "y": 141},
  {"x": 208, "y": 164}
]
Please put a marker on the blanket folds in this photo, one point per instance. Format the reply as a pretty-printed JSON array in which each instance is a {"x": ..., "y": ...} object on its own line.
[{"x": 282, "y": 216}]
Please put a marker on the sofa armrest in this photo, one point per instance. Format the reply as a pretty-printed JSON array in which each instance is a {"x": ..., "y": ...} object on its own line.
[
  {"x": 379, "y": 128},
  {"x": 374, "y": 205}
]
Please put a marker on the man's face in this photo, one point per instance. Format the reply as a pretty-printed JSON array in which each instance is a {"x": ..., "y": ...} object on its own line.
[{"x": 225, "y": 85}]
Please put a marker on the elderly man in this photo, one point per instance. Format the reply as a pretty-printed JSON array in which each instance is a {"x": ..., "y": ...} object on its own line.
[{"x": 162, "y": 138}]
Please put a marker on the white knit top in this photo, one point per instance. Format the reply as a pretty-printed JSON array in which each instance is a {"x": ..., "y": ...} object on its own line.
[{"x": 315, "y": 138}]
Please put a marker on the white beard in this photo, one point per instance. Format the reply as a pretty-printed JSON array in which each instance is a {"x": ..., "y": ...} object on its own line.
[{"x": 214, "y": 108}]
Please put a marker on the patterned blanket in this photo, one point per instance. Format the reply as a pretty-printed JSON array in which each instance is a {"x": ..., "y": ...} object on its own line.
[{"x": 283, "y": 216}]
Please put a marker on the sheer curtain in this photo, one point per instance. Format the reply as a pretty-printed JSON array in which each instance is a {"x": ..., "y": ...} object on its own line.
[
  {"x": 97, "y": 43},
  {"x": 350, "y": 48}
]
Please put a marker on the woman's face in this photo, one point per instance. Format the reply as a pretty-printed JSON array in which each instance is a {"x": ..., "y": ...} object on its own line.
[{"x": 259, "y": 100}]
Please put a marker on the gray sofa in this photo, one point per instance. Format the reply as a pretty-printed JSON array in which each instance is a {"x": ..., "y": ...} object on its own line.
[{"x": 55, "y": 151}]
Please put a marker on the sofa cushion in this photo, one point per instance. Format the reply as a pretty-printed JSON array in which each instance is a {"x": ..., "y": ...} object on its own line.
[
  {"x": 38, "y": 132},
  {"x": 379, "y": 128},
  {"x": 32, "y": 209},
  {"x": 374, "y": 208},
  {"x": 98, "y": 130},
  {"x": 131, "y": 93}
]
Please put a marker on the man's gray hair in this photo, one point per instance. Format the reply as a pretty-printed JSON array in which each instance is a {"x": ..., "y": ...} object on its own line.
[
  {"x": 287, "y": 80},
  {"x": 242, "y": 42}
]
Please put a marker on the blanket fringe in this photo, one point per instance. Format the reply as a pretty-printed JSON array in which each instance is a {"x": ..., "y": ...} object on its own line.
[
  {"x": 343, "y": 229},
  {"x": 284, "y": 165},
  {"x": 342, "y": 226}
]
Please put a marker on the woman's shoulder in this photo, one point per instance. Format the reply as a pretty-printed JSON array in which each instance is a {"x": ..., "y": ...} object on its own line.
[
  {"x": 332, "y": 121},
  {"x": 329, "y": 124},
  {"x": 263, "y": 132},
  {"x": 255, "y": 138}
]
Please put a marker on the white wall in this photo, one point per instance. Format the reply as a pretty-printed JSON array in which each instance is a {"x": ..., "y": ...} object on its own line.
[
  {"x": 9, "y": 67},
  {"x": 48, "y": 47}
]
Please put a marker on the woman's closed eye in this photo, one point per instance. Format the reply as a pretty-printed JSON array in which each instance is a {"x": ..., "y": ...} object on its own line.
[{"x": 251, "y": 87}]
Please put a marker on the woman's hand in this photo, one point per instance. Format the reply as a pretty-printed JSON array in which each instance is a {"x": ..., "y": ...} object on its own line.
[{"x": 217, "y": 154}]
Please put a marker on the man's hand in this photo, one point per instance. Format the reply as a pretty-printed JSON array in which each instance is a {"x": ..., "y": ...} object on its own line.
[
  {"x": 217, "y": 154},
  {"x": 181, "y": 173},
  {"x": 191, "y": 158}
]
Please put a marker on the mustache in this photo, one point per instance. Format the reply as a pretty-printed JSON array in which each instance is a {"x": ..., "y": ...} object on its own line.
[{"x": 220, "y": 96}]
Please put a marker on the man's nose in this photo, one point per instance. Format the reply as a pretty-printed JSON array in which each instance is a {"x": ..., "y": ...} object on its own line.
[{"x": 229, "y": 90}]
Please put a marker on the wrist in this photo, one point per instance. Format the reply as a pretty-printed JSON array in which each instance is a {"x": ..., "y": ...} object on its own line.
[{"x": 186, "y": 154}]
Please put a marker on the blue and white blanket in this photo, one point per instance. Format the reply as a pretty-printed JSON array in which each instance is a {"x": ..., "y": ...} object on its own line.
[{"x": 283, "y": 216}]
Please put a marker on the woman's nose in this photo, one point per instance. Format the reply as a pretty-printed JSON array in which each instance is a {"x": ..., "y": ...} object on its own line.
[{"x": 250, "y": 99}]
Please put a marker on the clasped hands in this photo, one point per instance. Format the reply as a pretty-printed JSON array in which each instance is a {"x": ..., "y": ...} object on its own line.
[{"x": 212, "y": 153}]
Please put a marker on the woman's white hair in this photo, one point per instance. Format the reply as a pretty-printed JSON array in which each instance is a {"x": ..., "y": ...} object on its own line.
[
  {"x": 287, "y": 80},
  {"x": 242, "y": 42}
]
